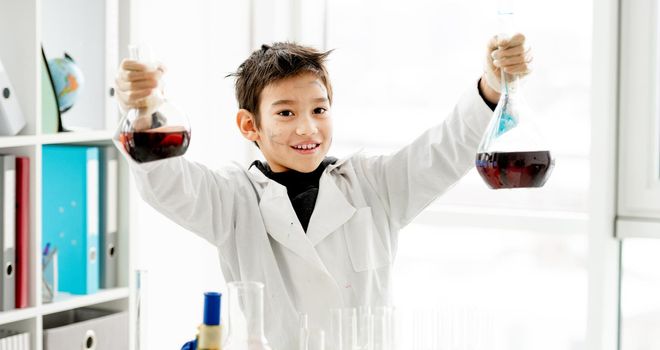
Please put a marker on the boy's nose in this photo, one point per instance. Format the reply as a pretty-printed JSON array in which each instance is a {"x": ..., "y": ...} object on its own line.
[{"x": 306, "y": 126}]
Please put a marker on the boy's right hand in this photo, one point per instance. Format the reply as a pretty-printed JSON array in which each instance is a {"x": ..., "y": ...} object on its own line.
[{"x": 135, "y": 82}]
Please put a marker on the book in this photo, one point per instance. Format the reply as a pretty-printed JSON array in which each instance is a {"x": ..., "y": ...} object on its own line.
[
  {"x": 8, "y": 227},
  {"x": 70, "y": 209},
  {"x": 22, "y": 230}
]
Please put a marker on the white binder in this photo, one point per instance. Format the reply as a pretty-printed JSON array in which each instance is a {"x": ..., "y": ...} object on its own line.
[
  {"x": 8, "y": 227},
  {"x": 11, "y": 117}
]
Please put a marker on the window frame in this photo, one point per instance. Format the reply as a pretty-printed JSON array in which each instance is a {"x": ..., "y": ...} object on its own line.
[
  {"x": 604, "y": 258},
  {"x": 638, "y": 204},
  {"x": 639, "y": 125}
]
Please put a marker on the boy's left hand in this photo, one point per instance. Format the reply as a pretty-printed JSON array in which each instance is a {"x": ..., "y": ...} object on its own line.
[{"x": 509, "y": 55}]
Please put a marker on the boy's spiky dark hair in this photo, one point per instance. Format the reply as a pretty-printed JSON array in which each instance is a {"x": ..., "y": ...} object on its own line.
[{"x": 272, "y": 63}]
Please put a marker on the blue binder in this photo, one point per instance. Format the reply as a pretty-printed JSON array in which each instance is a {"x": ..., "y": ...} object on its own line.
[{"x": 70, "y": 212}]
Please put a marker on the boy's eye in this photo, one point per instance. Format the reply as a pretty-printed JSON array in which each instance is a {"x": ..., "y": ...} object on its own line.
[
  {"x": 319, "y": 110},
  {"x": 285, "y": 113}
]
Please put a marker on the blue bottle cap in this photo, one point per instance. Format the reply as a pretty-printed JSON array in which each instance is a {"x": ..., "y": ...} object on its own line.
[{"x": 212, "y": 308}]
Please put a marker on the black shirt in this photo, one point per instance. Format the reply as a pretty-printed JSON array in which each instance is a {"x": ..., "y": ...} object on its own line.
[{"x": 302, "y": 188}]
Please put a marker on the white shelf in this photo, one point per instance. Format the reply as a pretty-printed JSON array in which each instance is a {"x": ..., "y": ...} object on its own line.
[
  {"x": 59, "y": 138},
  {"x": 89, "y": 32},
  {"x": 75, "y": 137},
  {"x": 17, "y": 141},
  {"x": 18, "y": 315},
  {"x": 65, "y": 301}
]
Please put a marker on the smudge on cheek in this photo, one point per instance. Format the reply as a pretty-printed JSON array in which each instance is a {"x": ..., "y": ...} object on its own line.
[{"x": 276, "y": 136}]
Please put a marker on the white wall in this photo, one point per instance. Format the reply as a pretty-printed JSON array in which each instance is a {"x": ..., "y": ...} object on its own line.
[{"x": 200, "y": 42}]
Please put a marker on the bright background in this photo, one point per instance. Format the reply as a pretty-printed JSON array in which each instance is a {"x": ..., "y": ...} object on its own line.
[{"x": 515, "y": 257}]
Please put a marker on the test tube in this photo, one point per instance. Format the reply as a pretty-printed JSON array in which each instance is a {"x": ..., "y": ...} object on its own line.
[{"x": 141, "y": 278}]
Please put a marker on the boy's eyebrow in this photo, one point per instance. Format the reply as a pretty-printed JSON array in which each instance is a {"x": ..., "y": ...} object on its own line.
[{"x": 291, "y": 102}]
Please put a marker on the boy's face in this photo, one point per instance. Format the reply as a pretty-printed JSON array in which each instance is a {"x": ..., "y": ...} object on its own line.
[{"x": 296, "y": 128}]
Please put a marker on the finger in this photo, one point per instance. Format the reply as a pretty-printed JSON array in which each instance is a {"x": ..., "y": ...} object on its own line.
[
  {"x": 509, "y": 61},
  {"x": 128, "y": 75},
  {"x": 140, "y": 75},
  {"x": 524, "y": 67},
  {"x": 133, "y": 65},
  {"x": 520, "y": 70},
  {"x": 509, "y": 52},
  {"x": 125, "y": 85},
  {"x": 515, "y": 40},
  {"x": 137, "y": 95},
  {"x": 131, "y": 97}
]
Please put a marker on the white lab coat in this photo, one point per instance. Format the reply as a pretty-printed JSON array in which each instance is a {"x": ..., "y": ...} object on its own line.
[{"x": 346, "y": 256}]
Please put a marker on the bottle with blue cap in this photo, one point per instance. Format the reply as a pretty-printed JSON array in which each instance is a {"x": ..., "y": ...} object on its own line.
[{"x": 209, "y": 332}]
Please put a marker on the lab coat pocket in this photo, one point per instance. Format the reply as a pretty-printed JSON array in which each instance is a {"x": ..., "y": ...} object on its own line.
[{"x": 365, "y": 245}]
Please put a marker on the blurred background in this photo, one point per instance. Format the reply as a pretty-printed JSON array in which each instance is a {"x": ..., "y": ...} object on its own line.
[{"x": 398, "y": 68}]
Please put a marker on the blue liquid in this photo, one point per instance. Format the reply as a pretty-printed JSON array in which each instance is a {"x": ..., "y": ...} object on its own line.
[{"x": 507, "y": 122}]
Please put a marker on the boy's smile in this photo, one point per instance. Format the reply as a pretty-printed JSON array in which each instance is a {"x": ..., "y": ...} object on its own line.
[{"x": 295, "y": 129}]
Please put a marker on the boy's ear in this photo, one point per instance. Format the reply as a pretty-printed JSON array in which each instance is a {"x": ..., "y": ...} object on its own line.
[{"x": 247, "y": 125}]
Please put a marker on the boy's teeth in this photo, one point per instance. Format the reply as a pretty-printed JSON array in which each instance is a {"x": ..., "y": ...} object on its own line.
[{"x": 310, "y": 146}]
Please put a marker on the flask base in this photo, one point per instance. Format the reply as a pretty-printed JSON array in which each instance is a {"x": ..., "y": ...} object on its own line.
[
  {"x": 155, "y": 144},
  {"x": 515, "y": 169}
]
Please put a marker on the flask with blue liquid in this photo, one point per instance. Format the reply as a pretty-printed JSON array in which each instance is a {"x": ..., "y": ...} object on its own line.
[{"x": 512, "y": 152}]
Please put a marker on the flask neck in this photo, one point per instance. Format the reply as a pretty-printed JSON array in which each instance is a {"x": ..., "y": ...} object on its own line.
[
  {"x": 505, "y": 16},
  {"x": 142, "y": 53},
  {"x": 510, "y": 83}
]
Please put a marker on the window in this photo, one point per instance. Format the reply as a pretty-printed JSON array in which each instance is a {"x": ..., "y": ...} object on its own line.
[
  {"x": 399, "y": 68},
  {"x": 640, "y": 288},
  {"x": 518, "y": 256}
]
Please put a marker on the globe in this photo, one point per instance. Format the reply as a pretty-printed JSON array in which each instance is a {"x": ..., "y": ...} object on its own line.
[{"x": 68, "y": 81}]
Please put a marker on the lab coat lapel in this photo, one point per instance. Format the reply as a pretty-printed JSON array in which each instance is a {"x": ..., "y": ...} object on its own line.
[
  {"x": 282, "y": 224},
  {"x": 331, "y": 211}
]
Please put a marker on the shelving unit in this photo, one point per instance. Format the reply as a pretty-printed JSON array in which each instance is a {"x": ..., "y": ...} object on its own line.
[{"x": 89, "y": 31}]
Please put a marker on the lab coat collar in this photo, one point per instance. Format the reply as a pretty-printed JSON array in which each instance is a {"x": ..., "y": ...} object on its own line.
[
  {"x": 257, "y": 175},
  {"x": 261, "y": 178},
  {"x": 343, "y": 160},
  {"x": 331, "y": 210},
  {"x": 283, "y": 225}
]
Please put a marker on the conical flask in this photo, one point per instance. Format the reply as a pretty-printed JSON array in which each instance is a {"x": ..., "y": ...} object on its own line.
[
  {"x": 246, "y": 317},
  {"x": 155, "y": 130},
  {"x": 512, "y": 152}
]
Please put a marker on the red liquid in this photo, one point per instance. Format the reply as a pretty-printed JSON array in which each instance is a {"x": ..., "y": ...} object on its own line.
[
  {"x": 154, "y": 144},
  {"x": 515, "y": 169}
]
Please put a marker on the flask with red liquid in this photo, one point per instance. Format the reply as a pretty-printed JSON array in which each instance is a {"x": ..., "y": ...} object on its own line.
[
  {"x": 156, "y": 130},
  {"x": 512, "y": 152}
]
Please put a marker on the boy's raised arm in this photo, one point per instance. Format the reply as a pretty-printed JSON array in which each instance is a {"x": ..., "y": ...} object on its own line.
[
  {"x": 188, "y": 193},
  {"x": 410, "y": 179}
]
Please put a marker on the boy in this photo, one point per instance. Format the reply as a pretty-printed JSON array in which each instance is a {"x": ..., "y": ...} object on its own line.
[{"x": 319, "y": 232}]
